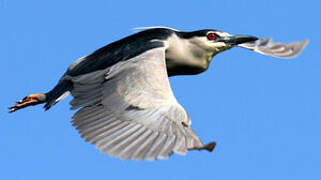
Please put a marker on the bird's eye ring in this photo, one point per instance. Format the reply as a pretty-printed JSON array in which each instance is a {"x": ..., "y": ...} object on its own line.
[{"x": 211, "y": 36}]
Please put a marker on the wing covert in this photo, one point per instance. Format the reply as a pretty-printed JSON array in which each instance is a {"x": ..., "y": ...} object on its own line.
[{"x": 133, "y": 113}]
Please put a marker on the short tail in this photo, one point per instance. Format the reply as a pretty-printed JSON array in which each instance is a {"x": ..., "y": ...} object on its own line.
[{"x": 60, "y": 91}]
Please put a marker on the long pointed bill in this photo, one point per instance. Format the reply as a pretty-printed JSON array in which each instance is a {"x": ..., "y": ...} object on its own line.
[{"x": 238, "y": 39}]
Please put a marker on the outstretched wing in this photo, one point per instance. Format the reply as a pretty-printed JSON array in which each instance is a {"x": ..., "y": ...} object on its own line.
[
  {"x": 129, "y": 110},
  {"x": 267, "y": 47}
]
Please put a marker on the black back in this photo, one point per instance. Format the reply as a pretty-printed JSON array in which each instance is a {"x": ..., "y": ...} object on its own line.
[{"x": 121, "y": 50}]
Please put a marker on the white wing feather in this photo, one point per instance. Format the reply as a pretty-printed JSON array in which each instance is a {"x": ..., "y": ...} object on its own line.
[
  {"x": 267, "y": 47},
  {"x": 129, "y": 110}
]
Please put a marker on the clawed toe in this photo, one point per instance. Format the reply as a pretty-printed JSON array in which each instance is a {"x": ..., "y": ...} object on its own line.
[{"x": 30, "y": 100}]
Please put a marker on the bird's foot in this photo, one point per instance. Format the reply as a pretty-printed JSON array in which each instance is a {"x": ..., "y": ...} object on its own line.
[{"x": 31, "y": 100}]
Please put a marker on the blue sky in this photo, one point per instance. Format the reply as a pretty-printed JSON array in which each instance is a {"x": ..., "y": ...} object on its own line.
[{"x": 263, "y": 112}]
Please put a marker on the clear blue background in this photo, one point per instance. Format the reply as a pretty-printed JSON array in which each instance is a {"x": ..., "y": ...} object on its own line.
[{"x": 263, "y": 112}]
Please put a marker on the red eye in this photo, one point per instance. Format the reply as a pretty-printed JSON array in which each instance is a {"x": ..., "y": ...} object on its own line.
[{"x": 211, "y": 36}]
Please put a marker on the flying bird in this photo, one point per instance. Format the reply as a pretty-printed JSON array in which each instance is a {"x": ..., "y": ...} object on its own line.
[{"x": 126, "y": 107}]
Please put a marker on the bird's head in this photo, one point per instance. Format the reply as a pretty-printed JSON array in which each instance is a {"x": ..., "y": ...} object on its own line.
[
  {"x": 215, "y": 41},
  {"x": 191, "y": 52}
]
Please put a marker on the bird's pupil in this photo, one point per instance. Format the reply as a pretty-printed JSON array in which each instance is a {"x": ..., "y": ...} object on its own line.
[{"x": 211, "y": 36}]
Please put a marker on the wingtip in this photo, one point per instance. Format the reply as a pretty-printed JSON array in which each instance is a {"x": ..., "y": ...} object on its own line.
[
  {"x": 300, "y": 47},
  {"x": 210, "y": 146},
  {"x": 305, "y": 42}
]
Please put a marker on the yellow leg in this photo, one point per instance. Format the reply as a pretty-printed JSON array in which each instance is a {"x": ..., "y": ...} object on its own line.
[{"x": 30, "y": 100}]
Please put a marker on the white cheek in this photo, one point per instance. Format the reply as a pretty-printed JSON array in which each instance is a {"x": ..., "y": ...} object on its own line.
[
  {"x": 206, "y": 43},
  {"x": 217, "y": 44}
]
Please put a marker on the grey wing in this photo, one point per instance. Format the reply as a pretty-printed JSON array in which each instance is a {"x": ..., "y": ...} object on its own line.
[
  {"x": 267, "y": 47},
  {"x": 129, "y": 110}
]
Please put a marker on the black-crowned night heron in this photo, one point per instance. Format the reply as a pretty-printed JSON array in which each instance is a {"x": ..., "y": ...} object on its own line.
[{"x": 127, "y": 108}]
